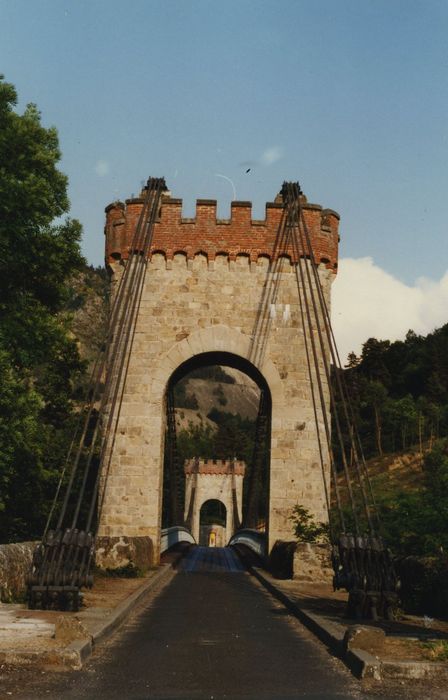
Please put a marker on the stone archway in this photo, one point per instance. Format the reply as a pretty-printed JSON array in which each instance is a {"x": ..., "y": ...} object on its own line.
[{"x": 133, "y": 498}]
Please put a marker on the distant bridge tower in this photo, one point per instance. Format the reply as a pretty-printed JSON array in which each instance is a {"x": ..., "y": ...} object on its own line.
[{"x": 213, "y": 480}]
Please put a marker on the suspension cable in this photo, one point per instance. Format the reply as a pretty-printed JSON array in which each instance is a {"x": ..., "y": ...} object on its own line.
[
  {"x": 122, "y": 355},
  {"x": 155, "y": 188},
  {"x": 319, "y": 440},
  {"x": 292, "y": 198},
  {"x": 263, "y": 322},
  {"x": 96, "y": 378},
  {"x": 308, "y": 250},
  {"x": 119, "y": 343},
  {"x": 344, "y": 393}
]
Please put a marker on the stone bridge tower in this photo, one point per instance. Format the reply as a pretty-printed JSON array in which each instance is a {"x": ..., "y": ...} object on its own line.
[{"x": 208, "y": 299}]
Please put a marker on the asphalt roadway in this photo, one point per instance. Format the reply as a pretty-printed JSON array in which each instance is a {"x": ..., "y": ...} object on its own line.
[{"x": 213, "y": 632}]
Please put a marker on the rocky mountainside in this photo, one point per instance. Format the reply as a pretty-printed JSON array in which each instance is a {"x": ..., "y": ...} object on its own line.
[{"x": 235, "y": 393}]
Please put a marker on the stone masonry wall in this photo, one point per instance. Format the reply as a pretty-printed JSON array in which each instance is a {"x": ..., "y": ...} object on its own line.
[
  {"x": 204, "y": 295},
  {"x": 312, "y": 563},
  {"x": 15, "y": 565}
]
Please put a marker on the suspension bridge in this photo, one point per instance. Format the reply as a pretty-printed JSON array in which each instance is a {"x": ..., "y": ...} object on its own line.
[{"x": 186, "y": 293}]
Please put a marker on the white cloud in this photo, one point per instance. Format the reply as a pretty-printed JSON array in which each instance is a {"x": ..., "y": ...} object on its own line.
[
  {"x": 102, "y": 168},
  {"x": 271, "y": 155},
  {"x": 369, "y": 302}
]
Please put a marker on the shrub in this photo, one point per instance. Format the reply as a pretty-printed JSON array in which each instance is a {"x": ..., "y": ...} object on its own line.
[{"x": 305, "y": 528}]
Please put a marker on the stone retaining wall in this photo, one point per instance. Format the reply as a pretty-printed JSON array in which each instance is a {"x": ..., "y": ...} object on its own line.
[
  {"x": 15, "y": 563},
  {"x": 120, "y": 552}
]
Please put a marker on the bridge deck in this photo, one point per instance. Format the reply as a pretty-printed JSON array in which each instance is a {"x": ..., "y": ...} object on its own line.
[
  {"x": 212, "y": 632},
  {"x": 211, "y": 559}
]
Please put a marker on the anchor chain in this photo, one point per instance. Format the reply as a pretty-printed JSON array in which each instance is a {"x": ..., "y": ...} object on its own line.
[
  {"x": 363, "y": 566},
  {"x": 56, "y": 578}
]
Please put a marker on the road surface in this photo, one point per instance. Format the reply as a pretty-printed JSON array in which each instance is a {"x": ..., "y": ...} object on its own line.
[{"x": 213, "y": 632}]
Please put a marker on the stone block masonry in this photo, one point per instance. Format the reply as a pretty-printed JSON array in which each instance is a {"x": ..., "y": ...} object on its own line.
[{"x": 217, "y": 289}]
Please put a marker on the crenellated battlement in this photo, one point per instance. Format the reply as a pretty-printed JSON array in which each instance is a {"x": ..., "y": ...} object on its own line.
[
  {"x": 211, "y": 237},
  {"x": 215, "y": 466}
]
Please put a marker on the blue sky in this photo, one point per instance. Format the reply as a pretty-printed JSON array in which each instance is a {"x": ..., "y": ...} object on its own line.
[{"x": 348, "y": 96}]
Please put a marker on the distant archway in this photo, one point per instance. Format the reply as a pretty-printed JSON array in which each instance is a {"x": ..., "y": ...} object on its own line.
[{"x": 212, "y": 523}]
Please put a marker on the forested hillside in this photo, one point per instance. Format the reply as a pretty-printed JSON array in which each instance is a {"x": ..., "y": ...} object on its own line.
[
  {"x": 399, "y": 391},
  {"x": 224, "y": 388}
]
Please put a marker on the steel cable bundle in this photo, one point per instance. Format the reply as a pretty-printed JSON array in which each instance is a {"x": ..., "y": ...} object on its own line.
[
  {"x": 361, "y": 560},
  {"x": 62, "y": 563}
]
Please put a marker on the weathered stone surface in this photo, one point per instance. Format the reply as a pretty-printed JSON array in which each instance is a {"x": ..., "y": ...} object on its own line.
[
  {"x": 367, "y": 638},
  {"x": 117, "y": 552},
  {"x": 15, "y": 564},
  {"x": 67, "y": 629},
  {"x": 312, "y": 563}
]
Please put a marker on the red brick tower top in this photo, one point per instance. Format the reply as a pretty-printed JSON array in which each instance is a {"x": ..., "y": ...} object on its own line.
[
  {"x": 206, "y": 234},
  {"x": 215, "y": 466}
]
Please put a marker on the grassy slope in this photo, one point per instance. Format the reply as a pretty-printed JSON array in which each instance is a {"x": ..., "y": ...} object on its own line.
[{"x": 390, "y": 474}]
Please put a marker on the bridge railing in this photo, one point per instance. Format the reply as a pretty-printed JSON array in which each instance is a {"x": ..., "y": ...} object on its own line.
[
  {"x": 257, "y": 541},
  {"x": 173, "y": 535}
]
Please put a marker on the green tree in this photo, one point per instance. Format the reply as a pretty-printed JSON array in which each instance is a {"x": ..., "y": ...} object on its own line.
[
  {"x": 399, "y": 391},
  {"x": 436, "y": 474},
  {"x": 375, "y": 395},
  {"x": 401, "y": 417},
  {"x": 373, "y": 360},
  {"x": 39, "y": 360}
]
